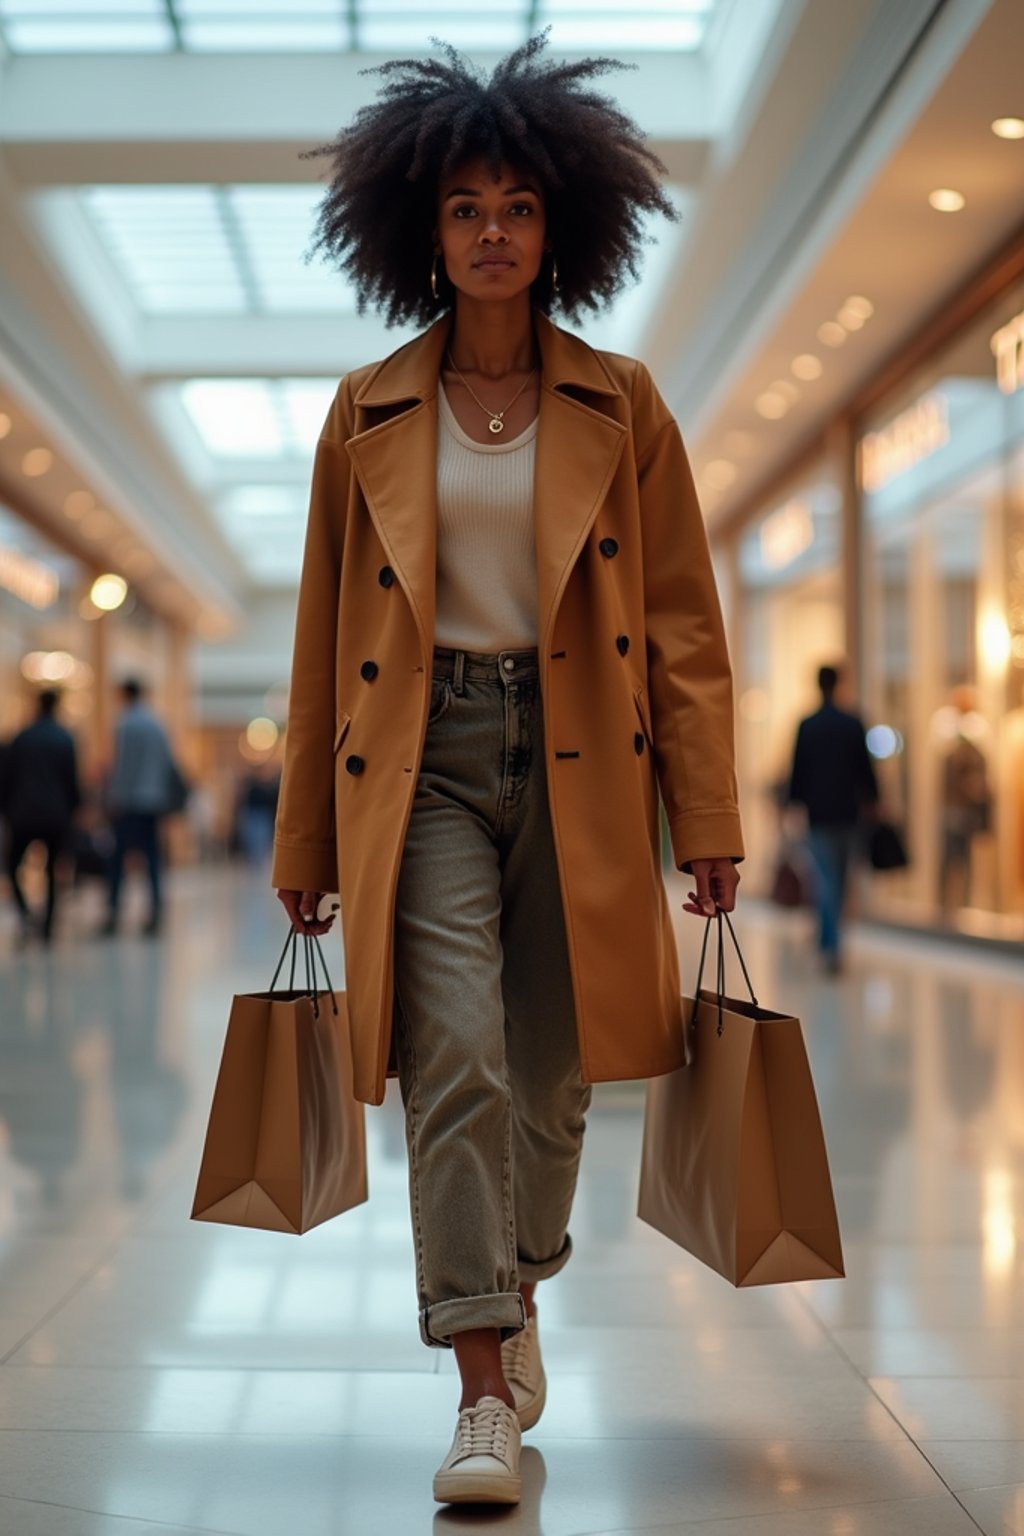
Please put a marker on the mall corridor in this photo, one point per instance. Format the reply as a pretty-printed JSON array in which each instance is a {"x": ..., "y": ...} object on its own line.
[{"x": 159, "y": 1375}]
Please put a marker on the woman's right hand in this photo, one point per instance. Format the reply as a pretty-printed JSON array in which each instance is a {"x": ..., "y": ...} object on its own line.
[{"x": 301, "y": 908}]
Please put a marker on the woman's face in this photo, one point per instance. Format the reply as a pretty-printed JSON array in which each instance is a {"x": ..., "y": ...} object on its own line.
[{"x": 490, "y": 231}]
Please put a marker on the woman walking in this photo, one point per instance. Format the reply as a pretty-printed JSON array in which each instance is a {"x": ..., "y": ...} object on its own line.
[{"x": 508, "y": 638}]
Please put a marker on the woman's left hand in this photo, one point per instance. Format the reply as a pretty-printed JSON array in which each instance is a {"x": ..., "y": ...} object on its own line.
[{"x": 716, "y": 881}]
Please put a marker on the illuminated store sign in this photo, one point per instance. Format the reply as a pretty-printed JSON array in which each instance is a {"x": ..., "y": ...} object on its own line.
[
  {"x": 35, "y": 583},
  {"x": 1008, "y": 349},
  {"x": 914, "y": 434},
  {"x": 786, "y": 534}
]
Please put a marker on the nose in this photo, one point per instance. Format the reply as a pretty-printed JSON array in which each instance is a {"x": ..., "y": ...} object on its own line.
[{"x": 494, "y": 233}]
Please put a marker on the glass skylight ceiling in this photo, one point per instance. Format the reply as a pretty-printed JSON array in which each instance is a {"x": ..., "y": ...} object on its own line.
[
  {"x": 246, "y": 26},
  {"x": 258, "y": 418},
  {"x": 225, "y": 250}
]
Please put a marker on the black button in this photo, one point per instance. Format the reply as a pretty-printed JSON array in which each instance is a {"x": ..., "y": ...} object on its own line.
[
  {"x": 368, "y": 670},
  {"x": 385, "y": 576},
  {"x": 608, "y": 548},
  {"x": 638, "y": 744},
  {"x": 354, "y": 764},
  {"x": 622, "y": 644}
]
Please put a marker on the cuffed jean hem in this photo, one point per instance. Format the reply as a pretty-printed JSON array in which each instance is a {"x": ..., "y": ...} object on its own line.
[
  {"x": 532, "y": 1270},
  {"x": 502, "y": 1309}
]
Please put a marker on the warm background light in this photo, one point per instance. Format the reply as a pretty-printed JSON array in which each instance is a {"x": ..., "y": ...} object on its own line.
[
  {"x": 36, "y": 462},
  {"x": 5, "y": 424},
  {"x": 807, "y": 366},
  {"x": 108, "y": 592},
  {"x": 771, "y": 405},
  {"x": 1008, "y": 127},
  {"x": 945, "y": 200},
  {"x": 261, "y": 734},
  {"x": 79, "y": 503},
  {"x": 832, "y": 333}
]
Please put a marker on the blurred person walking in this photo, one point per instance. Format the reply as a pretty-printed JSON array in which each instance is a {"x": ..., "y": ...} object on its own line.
[
  {"x": 39, "y": 795},
  {"x": 141, "y": 790},
  {"x": 834, "y": 778},
  {"x": 508, "y": 639}
]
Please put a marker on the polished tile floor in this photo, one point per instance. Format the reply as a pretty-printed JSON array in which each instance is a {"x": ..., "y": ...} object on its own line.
[{"x": 159, "y": 1375}]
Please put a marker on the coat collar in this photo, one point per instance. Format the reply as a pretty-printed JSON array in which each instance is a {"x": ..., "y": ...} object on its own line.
[
  {"x": 395, "y": 461},
  {"x": 411, "y": 372}
]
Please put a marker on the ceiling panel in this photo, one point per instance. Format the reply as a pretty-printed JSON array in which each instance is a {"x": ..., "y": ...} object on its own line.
[{"x": 245, "y": 26}]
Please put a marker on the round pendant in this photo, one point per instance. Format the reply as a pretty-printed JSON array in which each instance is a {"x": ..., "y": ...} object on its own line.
[{"x": 496, "y": 424}]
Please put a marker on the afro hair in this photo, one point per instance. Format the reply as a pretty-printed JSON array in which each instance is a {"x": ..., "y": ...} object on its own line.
[{"x": 432, "y": 115}]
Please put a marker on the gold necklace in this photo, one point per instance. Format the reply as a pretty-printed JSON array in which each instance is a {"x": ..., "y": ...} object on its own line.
[{"x": 496, "y": 423}]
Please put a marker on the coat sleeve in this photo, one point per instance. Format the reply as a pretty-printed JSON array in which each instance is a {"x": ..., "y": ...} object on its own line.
[
  {"x": 305, "y": 852},
  {"x": 689, "y": 676}
]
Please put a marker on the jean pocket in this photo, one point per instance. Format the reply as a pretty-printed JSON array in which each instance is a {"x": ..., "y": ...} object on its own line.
[{"x": 440, "y": 698}]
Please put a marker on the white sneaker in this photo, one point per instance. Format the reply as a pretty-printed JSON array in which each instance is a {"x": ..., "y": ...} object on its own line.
[
  {"x": 524, "y": 1372},
  {"x": 482, "y": 1466}
]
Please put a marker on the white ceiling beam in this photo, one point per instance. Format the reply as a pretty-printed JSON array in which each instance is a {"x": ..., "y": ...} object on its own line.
[{"x": 66, "y": 121}]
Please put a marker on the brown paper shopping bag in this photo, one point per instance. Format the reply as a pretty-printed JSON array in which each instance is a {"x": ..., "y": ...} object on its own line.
[
  {"x": 285, "y": 1147},
  {"x": 734, "y": 1166}
]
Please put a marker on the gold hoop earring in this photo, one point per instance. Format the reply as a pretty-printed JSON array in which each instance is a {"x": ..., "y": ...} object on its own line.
[
  {"x": 554, "y": 270},
  {"x": 433, "y": 279}
]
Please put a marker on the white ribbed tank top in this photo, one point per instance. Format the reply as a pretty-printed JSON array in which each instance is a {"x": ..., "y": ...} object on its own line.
[{"x": 486, "y": 559}]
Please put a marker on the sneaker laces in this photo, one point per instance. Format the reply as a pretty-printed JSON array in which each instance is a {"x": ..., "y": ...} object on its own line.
[{"x": 483, "y": 1431}]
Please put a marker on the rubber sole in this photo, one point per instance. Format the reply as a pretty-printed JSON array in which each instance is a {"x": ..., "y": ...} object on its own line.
[{"x": 460, "y": 1488}]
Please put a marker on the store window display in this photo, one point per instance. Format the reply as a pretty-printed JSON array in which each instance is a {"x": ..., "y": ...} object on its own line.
[{"x": 941, "y": 469}]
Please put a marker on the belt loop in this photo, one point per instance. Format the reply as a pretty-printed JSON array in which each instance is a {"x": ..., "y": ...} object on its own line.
[{"x": 460, "y": 663}]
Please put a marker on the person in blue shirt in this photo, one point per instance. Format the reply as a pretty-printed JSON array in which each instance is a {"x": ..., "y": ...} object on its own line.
[{"x": 139, "y": 792}]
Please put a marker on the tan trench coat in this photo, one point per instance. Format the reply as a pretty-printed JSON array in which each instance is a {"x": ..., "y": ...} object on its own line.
[{"x": 634, "y": 675}]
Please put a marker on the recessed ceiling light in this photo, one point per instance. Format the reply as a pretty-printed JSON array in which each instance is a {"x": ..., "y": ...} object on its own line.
[
  {"x": 79, "y": 503},
  {"x": 36, "y": 462},
  {"x": 787, "y": 389},
  {"x": 1008, "y": 127},
  {"x": 719, "y": 474},
  {"x": 832, "y": 333},
  {"x": 807, "y": 366},
  {"x": 946, "y": 200},
  {"x": 771, "y": 405},
  {"x": 857, "y": 304}
]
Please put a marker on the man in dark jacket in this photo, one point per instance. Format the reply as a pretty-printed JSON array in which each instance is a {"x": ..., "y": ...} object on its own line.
[
  {"x": 39, "y": 794},
  {"x": 832, "y": 776}
]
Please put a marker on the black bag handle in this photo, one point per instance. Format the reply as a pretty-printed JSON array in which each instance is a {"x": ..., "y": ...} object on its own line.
[
  {"x": 311, "y": 951},
  {"x": 720, "y": 968}
]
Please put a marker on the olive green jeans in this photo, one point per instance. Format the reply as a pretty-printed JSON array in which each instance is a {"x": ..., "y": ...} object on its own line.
[{"x": 485, "y": 1031}]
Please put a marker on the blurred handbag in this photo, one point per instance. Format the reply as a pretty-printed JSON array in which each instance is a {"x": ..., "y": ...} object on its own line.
[
  {"x": 286, "y": 1145},
  {"x": 734, "y": 1167},
  {"x": 886, "y": 849},
  {"x": 787, "y": 886}
]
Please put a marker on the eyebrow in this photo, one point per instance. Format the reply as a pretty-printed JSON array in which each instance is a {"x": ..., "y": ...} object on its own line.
[{"x": 475, "y": 191}]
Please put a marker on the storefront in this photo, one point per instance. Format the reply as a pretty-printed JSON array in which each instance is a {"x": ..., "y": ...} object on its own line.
[
  {"x": 902, "y": 550},
  {"x": 941, "y": 475}
]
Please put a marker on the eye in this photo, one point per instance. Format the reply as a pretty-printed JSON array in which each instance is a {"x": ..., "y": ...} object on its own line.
[
  {"x": 462, "y": 208},
  {"x": 522, "y": 208}
]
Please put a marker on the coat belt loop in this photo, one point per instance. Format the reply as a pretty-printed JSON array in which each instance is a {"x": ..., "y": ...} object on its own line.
[{"x": 460, "y": 664}]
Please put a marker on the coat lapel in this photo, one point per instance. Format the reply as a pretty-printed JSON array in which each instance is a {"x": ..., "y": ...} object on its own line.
[
  {"x": 578, "y": 451},
  {"x": 395, "y": 459}
]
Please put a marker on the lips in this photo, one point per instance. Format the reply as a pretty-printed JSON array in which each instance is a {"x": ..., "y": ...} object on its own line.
[{"x": 494, "y": 263}]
